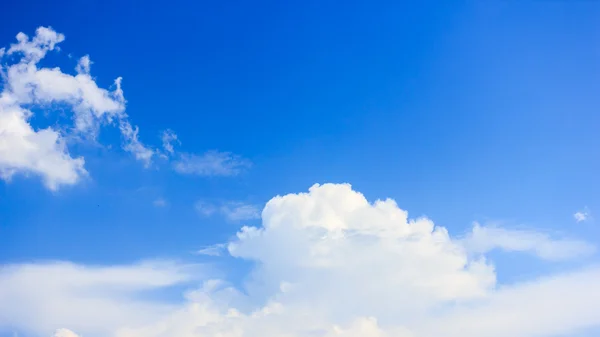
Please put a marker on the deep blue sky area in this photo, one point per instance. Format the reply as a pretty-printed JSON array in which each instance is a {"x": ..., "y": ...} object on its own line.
[{"x": 459, "y": 110}]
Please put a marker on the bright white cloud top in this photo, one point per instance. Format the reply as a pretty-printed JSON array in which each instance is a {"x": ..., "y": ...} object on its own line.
[
  {"x": 44, "y": 152},
  {"x": 28, "y": 87},
  {"x": 326, "y": 263}
]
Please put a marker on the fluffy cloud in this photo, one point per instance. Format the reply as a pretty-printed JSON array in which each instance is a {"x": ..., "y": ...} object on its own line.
[
  {"x": 233, "y": 211},
  {"x": 27, "y": 87},
  {"x": 582, "y": 216},
  {"x": 326, "y": 263},
  {"x": 484, "y": 239},
  {"x": 211, "y": 163},
  {"x": 84, "y": 65},
  {"x": 43, "y": 152}
]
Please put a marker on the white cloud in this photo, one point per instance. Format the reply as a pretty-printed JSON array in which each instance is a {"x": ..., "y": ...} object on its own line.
[
  {"x": 65, "y": 333},
  {"x": 582, "y": 216},
  {"x": 326, "y": 263},
  {"x": 169, "y": 138},
  {"x": 211, "y": 163},
  {"x": 35, "y": 49},
  {"x": 133, "y": 145},
  {"x": 205, "y": 208},
  {"x": 233, "y": 211},
  {"x": 40, "y": 298},
  {"x": 484, "y": 239},
  {"x": 238, "y": 211},
  {"x": 214, "y": 250},
  {"x": 558, "y": 305},
  {"x": 84, "y": 65},
  {"x": 43, "y": 152}
]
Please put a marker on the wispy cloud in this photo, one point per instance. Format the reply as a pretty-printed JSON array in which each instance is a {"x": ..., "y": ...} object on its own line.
[
  {"x": 211, "y": 163},
  {"x": 160, "y": 202},
  {"x": 133, "y": 145},
  {"x": 204, "y": 208},
  {"x": 100, "y": 295},
  {"x": 238, "y": 211},
  {"x": 214, "y": 250},
  {"x": 234, "y": 211},
  {"x": 483, "y": 239},
  {"x": 169, "y": 139}
]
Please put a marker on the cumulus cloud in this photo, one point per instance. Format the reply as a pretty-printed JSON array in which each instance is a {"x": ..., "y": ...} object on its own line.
[
  {"x": 483, "y": 239},
  {"x": 233, "y": 211},
  {"x": 43, "y": 152},
  {"x": 325, "y": 263},
  {"x": 211, "y": 163}
]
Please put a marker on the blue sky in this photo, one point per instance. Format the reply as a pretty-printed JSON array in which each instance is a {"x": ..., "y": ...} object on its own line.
[{"x": 462, "y": 112}]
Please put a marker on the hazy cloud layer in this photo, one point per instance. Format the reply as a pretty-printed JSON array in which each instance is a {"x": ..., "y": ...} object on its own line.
[{"x": 211, "y": 163}]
